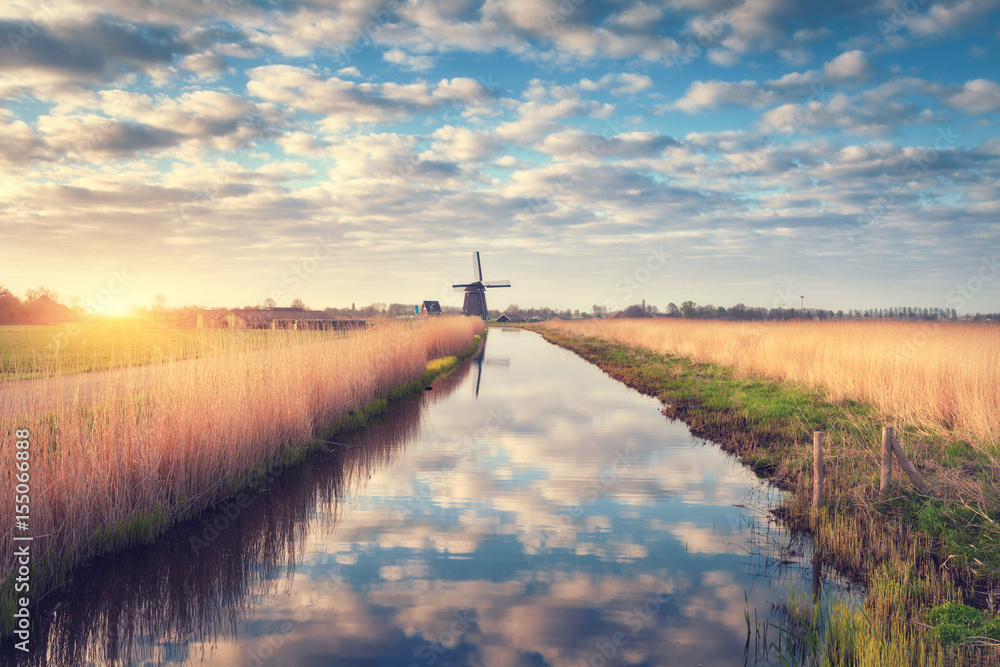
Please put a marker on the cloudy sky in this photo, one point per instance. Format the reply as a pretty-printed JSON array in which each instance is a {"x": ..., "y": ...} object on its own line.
[{"x": 595, "y": 151}]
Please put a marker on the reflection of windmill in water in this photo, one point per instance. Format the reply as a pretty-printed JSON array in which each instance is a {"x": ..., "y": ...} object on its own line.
[
  {"x": 475, "y": 292},
  {"x": 481, "y": 359}
]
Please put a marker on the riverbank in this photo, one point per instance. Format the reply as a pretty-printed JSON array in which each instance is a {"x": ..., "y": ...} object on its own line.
[
  {"x": 117, "y": 473},
  {"x": 913, "y": 553}
]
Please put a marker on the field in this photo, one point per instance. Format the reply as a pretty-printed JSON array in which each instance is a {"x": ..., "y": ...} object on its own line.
[
  {"x": 760, "y": 390},
  {"x": 941, "y": 378},
  {"x": 117, "y": 472},
  {"x": 29, "y": 351}
]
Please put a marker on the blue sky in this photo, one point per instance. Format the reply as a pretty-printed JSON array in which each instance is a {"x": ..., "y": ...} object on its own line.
[{"x": 594, "y": 152}]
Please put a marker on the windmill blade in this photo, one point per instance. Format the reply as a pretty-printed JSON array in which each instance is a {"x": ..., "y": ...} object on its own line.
[
  {"x": 477, "y": 268},
  {"x": 497, "y": 283},
  {"x": 468, "y": 285}
]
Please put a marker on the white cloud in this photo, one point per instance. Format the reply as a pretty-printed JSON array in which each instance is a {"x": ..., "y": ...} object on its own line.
[
  {"x": 942, "y": 18},
  {"x": 408, "y": 61},
  {"x": 460, "y": 144},
  {"x": 714, "y": 94},
  {"x": 848, "y": 65},
  {"x": 977, "y": 96}
]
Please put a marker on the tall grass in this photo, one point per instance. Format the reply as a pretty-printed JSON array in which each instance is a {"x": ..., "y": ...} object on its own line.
[
  {"x": 156, "y": 447},
  {"x": 944, "y": 378}
]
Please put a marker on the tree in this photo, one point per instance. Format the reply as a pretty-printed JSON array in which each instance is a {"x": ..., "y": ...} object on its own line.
[
  {"x": 269, "y": 302},
  {"x": 299, "y": 303},
  {"x": 599, "y": 311},
  {"x": 673, "y": 310},
  {"x": 40, "y": 291},
  {"x": 634, "y": 310},
  {"x": 689, "y": 309},
  {"x": 10, "y": 306}
]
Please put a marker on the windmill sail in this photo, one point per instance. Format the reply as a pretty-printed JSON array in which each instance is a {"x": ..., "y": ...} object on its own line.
[{"x": 475, "y": 292}]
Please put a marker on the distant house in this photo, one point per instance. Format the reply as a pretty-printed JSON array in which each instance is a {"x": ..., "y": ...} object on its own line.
[
  {"x": 205, "y": 318},
  {"x": 431, "y": 308},
  {"x": 285, "y": 318},
  {"x": 512, "y": 317},
  {"x": 618, "y": 314},
  {"x": 44, "y": 310}
]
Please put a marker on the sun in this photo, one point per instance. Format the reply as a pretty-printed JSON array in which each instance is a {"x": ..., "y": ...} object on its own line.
[{"x": 112, "y": 309}]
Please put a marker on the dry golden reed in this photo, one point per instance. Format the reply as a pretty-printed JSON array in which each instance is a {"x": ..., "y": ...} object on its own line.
[
  {"x": 942, "y": 377},
  {"x": 156, "y": 439}
]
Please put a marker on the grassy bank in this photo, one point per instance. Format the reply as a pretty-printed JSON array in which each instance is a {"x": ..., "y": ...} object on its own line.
[
  {"x": 913, "y": 553},
  {"x": 116, "y": 473}
]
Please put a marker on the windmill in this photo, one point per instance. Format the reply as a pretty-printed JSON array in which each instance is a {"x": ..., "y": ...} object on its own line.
[{"x": 475, "y": 292}]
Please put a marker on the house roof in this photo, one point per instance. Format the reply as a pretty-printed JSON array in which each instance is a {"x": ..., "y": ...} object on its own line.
[
  {"x": 209, "y": 313},
  {"x": 277, "y": 314}
]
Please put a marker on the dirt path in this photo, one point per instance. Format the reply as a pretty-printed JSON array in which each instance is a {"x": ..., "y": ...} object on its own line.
[{"x": 21, "y": 396}]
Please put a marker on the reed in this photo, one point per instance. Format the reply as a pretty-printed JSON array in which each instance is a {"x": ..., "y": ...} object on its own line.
[
  {"x": 941, "y": 377},
  {"x": 160, "y": 444}
]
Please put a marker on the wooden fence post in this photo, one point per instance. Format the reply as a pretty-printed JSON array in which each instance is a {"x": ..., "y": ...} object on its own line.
[
  {"x": 911, "y": 472},
  {"x": 887, "y": 437},
  {"x": 817, "y": 469}
]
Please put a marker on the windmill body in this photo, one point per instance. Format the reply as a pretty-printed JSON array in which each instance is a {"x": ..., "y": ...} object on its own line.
[{"x": 475, "y": 292}]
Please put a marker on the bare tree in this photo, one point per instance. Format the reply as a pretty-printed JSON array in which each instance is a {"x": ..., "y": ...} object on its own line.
[
  {"x": 269, "y": 302},
  {"x": 42, "y": 290},
  {"x": 299, "y": 303}
]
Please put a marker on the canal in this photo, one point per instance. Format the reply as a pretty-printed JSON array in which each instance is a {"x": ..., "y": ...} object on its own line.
[{"x": 528, "y": 510}]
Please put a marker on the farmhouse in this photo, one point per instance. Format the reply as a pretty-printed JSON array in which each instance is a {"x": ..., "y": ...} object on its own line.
[{"x": 205, "y": 318}]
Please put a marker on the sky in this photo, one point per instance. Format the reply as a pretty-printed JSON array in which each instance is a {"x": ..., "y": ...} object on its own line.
[{"x": 220, "y": 152}]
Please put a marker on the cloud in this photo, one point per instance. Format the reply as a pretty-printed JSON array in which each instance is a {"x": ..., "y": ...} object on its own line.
[
  {"x": 850, "y": 65},
  {"x": 408, "y": 61},
  {"x": 624, "y": 83},
  {"x": 343, "y": 103},
  {"x": 88, "y": 134},
  {"x": 204, "y": 63},
  {"x": 715, "y": 94},
  {"x": 576, "y": 144},
  {"x": 948, "y": 17},
  {"x": 976, "y": 96},
  {"x": 19, "y": 145},
  {"x": 460, "y": 144}
]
